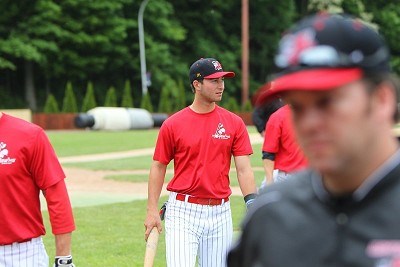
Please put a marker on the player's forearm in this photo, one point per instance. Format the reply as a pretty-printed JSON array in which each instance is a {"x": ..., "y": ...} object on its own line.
[
  {"x": 156, "y": 181},
  {"x": 268, "y": 169},
  {"x": 246, "y": 182},
  {"x": 63, "y": 244},
  {"x": 245, "y": 175}
]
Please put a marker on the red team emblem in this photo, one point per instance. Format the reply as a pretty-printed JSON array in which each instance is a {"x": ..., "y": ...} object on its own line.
[{"x": 292, "y": 46}]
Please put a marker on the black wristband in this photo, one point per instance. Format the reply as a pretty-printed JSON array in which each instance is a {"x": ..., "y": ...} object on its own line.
[{"x": 249, "y": 197}]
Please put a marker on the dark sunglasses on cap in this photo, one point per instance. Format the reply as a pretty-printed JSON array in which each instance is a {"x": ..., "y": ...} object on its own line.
[{"x": 327, "y": 56}]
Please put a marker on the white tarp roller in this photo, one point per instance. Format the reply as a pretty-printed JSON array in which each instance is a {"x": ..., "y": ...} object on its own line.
[{"x": 114, "y": 118}]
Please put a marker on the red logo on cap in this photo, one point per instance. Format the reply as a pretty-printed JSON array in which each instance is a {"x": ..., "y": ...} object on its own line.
[{"x": 294, "y": 44}]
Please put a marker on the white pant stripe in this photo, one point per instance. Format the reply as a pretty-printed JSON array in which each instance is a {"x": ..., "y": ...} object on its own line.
[
  {"x": 26, "y": 254},
  {"x": 193, "y": 229}
]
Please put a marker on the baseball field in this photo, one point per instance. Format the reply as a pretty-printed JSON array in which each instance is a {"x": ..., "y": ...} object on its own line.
[{"x": 107, "y": 182}]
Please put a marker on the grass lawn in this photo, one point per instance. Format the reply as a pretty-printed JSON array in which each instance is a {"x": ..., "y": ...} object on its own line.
[
  {"x": 113, "y": 235},
  {"x": 73, "y": 143}
]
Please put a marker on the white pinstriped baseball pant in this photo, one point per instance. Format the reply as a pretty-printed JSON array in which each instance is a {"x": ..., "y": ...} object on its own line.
[
  {"x": 27, "y": 254},
  {"x": 193, "y": 230}
]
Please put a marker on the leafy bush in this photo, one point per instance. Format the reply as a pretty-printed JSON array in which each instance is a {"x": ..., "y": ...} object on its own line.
[
  {"x": 127, "y": 100},
  {"x": 51, "y": 105},
  {"x": 166, "y": 99},
  {"x": 89, "y": 101},
  {"x": 111, "y": 98},
  {"x": 247, "y": 106},
  {"x": 146, "y": 103},
  {"x": 69, "y": 101},
  {"x": 232, "y": 105},
  {"x": 181, "y": 96}
]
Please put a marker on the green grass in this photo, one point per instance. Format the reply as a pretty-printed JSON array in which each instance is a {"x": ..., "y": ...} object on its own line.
[
  {"x": 113, "y": 235},
  {"x": 134, "y": 178},
  {"x": 72, "y": 143},
  {"x": 132, "y": 163}
]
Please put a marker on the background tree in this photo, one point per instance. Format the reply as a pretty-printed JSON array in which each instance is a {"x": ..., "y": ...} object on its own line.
[
  {"x": 45, "y": 43},
  {"x": 69, "y": 102},
  {"x": 51, "y": 105},
  {"x": 111, "y": 98},
  {"x": 127, "y": 100},
  {"x": 165, "y": 105},
  {"x": 231, "y": 104},
  {"x": 26, "y": 36},
  {"x": 180, "y": 102},
  {"x": 146, "y": 103},
  {"x": 89, "y": 101}
]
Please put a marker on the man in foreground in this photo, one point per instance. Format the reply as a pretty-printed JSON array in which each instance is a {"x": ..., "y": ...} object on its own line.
[{"x": 344, "y": 210}]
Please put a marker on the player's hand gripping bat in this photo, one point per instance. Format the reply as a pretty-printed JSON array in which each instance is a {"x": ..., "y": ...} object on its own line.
[{"x": 152, "y": 242}]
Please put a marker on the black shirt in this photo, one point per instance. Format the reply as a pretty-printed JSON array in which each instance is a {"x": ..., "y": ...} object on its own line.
[{"x": 298, "y": 223}]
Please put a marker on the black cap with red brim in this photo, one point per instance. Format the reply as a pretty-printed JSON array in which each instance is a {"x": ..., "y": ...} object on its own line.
[
  {"x": 325, "y": 51},
  {"x": 208, "y": 68}
]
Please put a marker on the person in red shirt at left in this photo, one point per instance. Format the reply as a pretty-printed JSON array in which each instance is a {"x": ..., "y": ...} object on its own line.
[
  {"x": 281, "y": 154},
  {"x": 28, "y": 166}
]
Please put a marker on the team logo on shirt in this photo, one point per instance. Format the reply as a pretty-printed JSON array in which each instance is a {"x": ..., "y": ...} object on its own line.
[
  {"x": 4, "y": 158},
  {"x": 220, "y": 133}
]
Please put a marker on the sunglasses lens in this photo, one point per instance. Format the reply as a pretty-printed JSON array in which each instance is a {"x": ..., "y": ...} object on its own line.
[{"x": 319, "y": 56}]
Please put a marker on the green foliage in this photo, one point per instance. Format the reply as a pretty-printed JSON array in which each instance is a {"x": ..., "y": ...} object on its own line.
[
  {"x": 181, "y": 97},
  {"x": 386, "y": 14},
  {"x": 89, "y": 101},
  {"x": 51, "y": 105},
  {"x": 111, "y": 98},
  {"x": 247, "y": 106},
  {"x": 24, "y": 31},
  {"x": 165, "y": 104},
  {"x": 232, "y": 105},
  {"x": 69, "y": 101},
  {"x": 10, "y": 100},
  {"x": 127, "y": 100},
  {"x": 146, "y": 103},
  {"x": 80, "y": 40}
]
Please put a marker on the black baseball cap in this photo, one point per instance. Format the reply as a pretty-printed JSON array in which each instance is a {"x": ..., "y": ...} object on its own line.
[
  {"x": 208, "y": 68},
  {"x": 325, "y": 51}
]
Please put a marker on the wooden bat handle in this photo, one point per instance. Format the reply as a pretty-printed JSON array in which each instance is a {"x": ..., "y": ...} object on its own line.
[{"x": 151, "y": 248}]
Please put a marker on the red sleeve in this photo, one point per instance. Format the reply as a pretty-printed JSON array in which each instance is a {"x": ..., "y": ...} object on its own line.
[
  {"x": 59, "y": 207},
  {"x": 273, "y": 132},
  {"x": 242, "y": 145},
  {"x": 164, "y": 150},
  {"x": 45, "y": 167}
]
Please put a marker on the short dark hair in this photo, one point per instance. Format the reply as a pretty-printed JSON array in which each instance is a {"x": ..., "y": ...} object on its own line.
[
  {"x": 377, "y": 78},
  {"x": 191, "y": 84}
]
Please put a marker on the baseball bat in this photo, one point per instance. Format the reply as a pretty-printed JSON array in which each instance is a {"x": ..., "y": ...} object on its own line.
[{"x": 151, "y": 247}]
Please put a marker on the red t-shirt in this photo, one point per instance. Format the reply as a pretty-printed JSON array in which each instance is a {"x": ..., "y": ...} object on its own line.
[
  {"x": 29, "y": 164},
  {"x": 279, "y": 139},
  {"x": 201, "y": 146}
]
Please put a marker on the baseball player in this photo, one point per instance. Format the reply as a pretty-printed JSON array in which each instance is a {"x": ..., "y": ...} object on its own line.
[
  {"x": 344, "y": 210},
  {"x": 263, "y": 111},
  {"x": 200, "y": 139},
  {"x": 28, "y": 166},
  {"x": 281, "y": 154}
]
